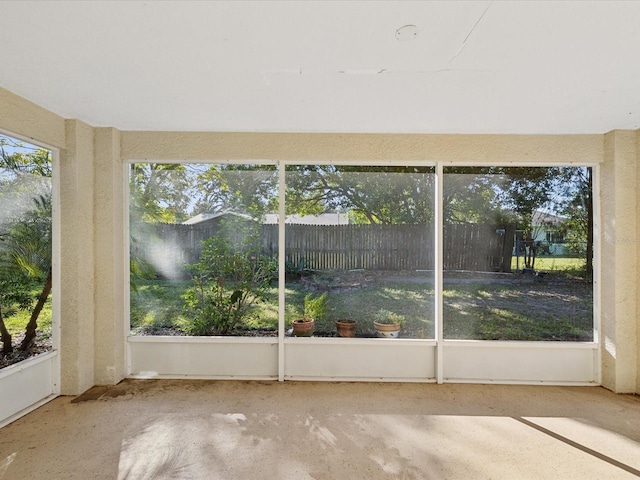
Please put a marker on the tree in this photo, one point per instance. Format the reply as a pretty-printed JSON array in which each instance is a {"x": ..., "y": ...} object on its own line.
[
  {"x": 514, "y": 194},
  {"x": 25, "y": 252},
  {"x": 250, "y": 189},
  {"x": 471, "y": 196},
  {"x": 578, "y": 209},
  {"x": 19, "y": 158},
  {"x": 160, "y": 193},
  {"x": 15, "y": 293},
  {"x": 528, "y": 189},
  {"x": 376, "y": 195}
]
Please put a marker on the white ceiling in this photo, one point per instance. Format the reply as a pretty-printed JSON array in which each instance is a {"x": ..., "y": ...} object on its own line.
[{"x": 328, "y": 66}]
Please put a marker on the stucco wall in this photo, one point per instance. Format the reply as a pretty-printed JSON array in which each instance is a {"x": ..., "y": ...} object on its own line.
[
  {"x": 77, "y": 278},
  {"x": 110, "y": 270},
  {"x": 326, "y": 147},
  {"x": 637, "y": 267},
  {"x": 24, "y": 118},
  {"x": 619, "y": 262},
  {"x": 92, "y": 226}
]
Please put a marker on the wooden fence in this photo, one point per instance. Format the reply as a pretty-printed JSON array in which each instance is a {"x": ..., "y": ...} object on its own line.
[
  {"x": 480, "y": 248},
  {"x": 373, "y": 247},
  {"x": 345, "y": 247}
]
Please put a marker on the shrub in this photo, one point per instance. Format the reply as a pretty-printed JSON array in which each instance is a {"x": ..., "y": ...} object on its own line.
[{"x": 230, "y": 278}]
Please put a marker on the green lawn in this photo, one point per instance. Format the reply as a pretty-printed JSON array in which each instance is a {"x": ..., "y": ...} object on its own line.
[
  {"x": 550, "y": 310},
  {"x": 157, "y": 305},
  {"x": 17, "y": 322},
  {"x": 547, "y": 263},
  {"x": 511, "y": 308},
  {"x": 558, "y": 309},
  {"x": 415, "y": 301}
]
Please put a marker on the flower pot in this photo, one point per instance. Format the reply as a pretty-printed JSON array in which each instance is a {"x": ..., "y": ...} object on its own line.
[
  {"x": 303, "y": 327},
  {"x": 346, "y": 327},
  {"x": 387, "y": 330}
]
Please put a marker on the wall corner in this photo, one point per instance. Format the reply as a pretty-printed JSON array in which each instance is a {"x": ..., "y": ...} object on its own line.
[
  {"x": 77, "y": 259},
  {"x": 620, "y": 227},
  {"x": 638, "y": 272},
  {"x": 109, "y": 220}
]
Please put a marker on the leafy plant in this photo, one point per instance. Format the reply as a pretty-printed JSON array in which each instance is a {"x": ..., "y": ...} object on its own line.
[
  {"x": 27, "y": 253},
  {"x": 388, "y": 317},
  {"x": 316, "y": 307},
  {"x": 294, "y": 269},
  {"x": 230, "y": 278},
  {"x": 139, "y": 267},
  {"x": 15, "y": 294}
]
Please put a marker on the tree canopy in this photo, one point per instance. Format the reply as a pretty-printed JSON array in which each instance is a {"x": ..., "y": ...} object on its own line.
[{"x": 382, "y": 195}]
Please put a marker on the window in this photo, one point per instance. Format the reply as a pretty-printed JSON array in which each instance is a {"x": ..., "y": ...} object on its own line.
[
  {"x": 361, "y": 239},
  {"x": 203, "y": 257},
  {"x": 359, "y": 246},
  {"x": 205, "y": 240},
  {"x": 25, "y": 249},
  {"x": 503, "y": 278}
]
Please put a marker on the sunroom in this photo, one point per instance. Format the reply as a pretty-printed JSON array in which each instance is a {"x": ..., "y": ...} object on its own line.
[{"x": 218, "y": 168}]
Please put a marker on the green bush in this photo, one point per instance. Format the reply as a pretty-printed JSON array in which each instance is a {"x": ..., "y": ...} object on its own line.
[{"x": 230, "y": 278}]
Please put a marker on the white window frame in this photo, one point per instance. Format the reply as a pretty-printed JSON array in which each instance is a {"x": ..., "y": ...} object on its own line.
[
  {"x": 36, "y": 381},
  {"x": 419, "y": 360}
]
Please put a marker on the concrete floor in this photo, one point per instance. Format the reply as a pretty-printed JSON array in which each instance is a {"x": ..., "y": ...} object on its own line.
[{"x": 171, "y": 429}]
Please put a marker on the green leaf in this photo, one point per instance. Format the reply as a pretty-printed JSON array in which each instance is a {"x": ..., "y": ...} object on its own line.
[{"x": 236, "y": 296}]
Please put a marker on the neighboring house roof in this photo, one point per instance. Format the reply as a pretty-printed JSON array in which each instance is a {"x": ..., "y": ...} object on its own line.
[
  {"x": 543, "y": 218},
  {"x": 272, "y": 218},
  {"x": 203, "y": 217},
  {"x": 321, "y": 219}
]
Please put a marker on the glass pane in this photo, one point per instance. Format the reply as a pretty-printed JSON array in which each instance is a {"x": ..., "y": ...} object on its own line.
[
  {"x": 518, "y": 249},
  {"x": 203, "y": 252},
  {"x": 25, "y": 250},
  {"x": 360, "y": 247}
]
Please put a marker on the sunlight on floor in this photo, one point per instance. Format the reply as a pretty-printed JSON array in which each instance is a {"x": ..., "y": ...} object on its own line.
[{"x": 238, "y": 445}]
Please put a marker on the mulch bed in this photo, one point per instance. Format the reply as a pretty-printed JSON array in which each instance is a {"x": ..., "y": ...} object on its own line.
[
  {"x": 42, "y": 344},
  {"x": 173, "y": 332}
]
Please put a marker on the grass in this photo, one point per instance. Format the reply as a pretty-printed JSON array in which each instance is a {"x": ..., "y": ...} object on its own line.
[
  {"x": 414, "y": 301},
  {"x": 17, "y": 322},
  {"x": 157, "y": 305},
  {"x": 512, "y": 309},
  {"x": 569, "y": 265},
  {"x": 519, "y": 311}
]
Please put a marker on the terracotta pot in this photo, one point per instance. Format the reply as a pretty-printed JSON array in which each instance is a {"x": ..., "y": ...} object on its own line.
[
  {"x": 346, "y": 327},
  {"x": 303, "y": 327},
  {"x": 387, "y": 330}
]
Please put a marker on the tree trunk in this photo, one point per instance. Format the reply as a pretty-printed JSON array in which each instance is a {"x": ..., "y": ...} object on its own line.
[
  {"x": 5, "y": 336},
  {"x": 534, "y": 251},
  {"x": 529, "y": 252},
  {"x": 30, "y": 331},
  {"x": 589, "y": 253}
]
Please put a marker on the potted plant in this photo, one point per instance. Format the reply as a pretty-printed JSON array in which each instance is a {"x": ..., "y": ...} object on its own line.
[
  {"x": 315, "y": 308},
  {"x": 345, "y": 327},
  {"x": 387, "y": 323}
]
